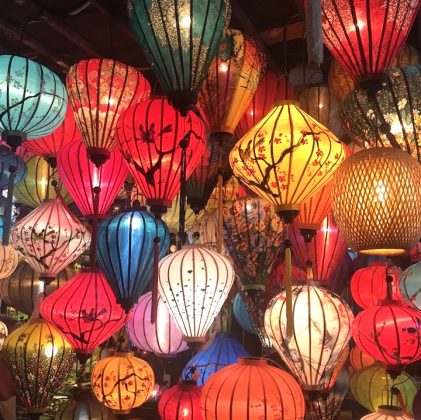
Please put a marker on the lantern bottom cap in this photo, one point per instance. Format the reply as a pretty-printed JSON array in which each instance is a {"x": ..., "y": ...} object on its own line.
[
  {"x": 252, "y": 361},
  {"x": 194, "y": 339},
  {"x": 386, "y": 252},
  {"x": 98, "y": 155},
  {"x": 389, "y": 410}
]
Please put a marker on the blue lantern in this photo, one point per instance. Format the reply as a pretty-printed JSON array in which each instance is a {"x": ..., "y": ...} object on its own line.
[
  {"x": 33, "y": 100},
  {"x": 223, "y": 351},
  {"x": 242, "y": 316},
  {"x": 125, "y": 250},
  {"x": 7, "y": 160}
]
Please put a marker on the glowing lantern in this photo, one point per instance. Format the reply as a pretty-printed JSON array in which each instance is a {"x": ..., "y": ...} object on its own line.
[
  {"x": 39, "y": 359},
  {"x": 385, "y": 412},
  {"x": 8, "y": 159},
  {"x": 8, "y": 260},
  {"x": 194, "y": 283},
  {"x": 276, "y": 280},
  {"x": 163, "y": 337},
  {"x": 172, "y": 217},
  {"x": 180, "y": 41},
  {"x": 224, "y": 350},
  {"x": 231, "y": 191},
  {"x": 153, "y": 138},
  {"x": 125, "y": 251},
  {"x": 99, "y": 90},
  {"x": 414, "y": 253},
  {"x": 81, "y": 177},
  {"x": 207, "y": 228},
  {"x": 50, "y": 238},
  {"x": 410, "y": 285},
  {"x": 359, "y": 360},
  {"x": 367, "y": 190},
  {"x": 122, "y": 382},
  {"x": 365, "y": 36},
  {"x": 85, "y": 311},
  {"x": 321, "y": 331},
  {"x": 252, "y": 389},
  {"x": 181, "y": 402},
  {"x": 340, "y": 83},
  {"x": 33, "y": 100},
  {"x": 3, "y": 333},
  {"x": 242, "y": 316}
]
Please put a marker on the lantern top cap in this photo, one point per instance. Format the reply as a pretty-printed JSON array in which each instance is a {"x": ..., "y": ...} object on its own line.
[
  {"x": 252, "y": 361},
  {"x": 125, "y": 354},
  {"x": 287, "y": 102}
]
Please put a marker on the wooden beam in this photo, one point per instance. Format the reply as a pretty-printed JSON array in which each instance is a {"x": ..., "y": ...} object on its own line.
[{"x": 287, "y": 33}]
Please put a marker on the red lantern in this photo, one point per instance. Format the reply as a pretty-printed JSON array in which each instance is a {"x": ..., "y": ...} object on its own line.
[
  {"x": 365, "y": 35},
  {"x": 85, "y": 311},
  {"x": 276, "y": 281},
  {"x": 152, "y": 137},
  {"x": 81, "y": 177},
  {"x": 369, "y": 285}
]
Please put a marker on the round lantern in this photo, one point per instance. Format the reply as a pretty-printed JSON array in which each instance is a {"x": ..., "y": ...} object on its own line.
[
  {"x": 153, "y": 138},
  {"x": 368, "y": 189},
  {"x": 224, "y": 350},
  {"x": 50, "y": 238},
  {"x": 321, "y": 331},
  {"x": 364, "y": 36},
  {"x": 100, "y": 89},
  {"x": 389, "y": 332},
  {"x": 3, "y": 333},
  {"x": 8, "y": 159},
  {"x": 386, "y": 412},
  {"x": 37, "y": 185},
  {"x": 122, "y": 382},
  {"x": 194, "y": 283},
  {"x": 125, "y": 251},
  {"x": 369, "y": 284},
  {"x": 242, "y": 316},
  {"x": 180, "y": 41},
  {"x": 8, "y": 260},
  {"x": 39, "y": 359},
  {"x": 181, "y": 402},
  {"x": 85, "y": 311},
  {"x": 414, "y": 253},
  {"x": 359, "y": 360},
  {"x": 33, "y": 102},
  {"x": 252, "y": 389},
  {"x": 163, "y": 337},
  {"x": 373, "y": 386},
  {"x": 410, "y": 285},
  {"x": 82, "y": 178}
]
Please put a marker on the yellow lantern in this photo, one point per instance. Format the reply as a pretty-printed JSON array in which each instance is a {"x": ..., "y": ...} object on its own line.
[
  {"x": 8, "y": 260},
  {"x": 172, "y": 216}
]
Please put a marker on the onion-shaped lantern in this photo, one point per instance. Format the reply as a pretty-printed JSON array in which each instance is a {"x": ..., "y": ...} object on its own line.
[
  {"x": 125, "y": 251},
  {"x": 181, "y": 402},
  {"x": 242, "y": 316},
  {"x": 374, "y": 386},
  {"x": 8, "y": 159},
  {"x": 3, "y": 333},
  {"x": 100, "y": 90},
  {"x": 359, "y": 360},
  {"x": 50, "y": 238},
  {"x": 368, "y": 189},
  {"x": 153, "y": 138},
  {"x": 321, "y": 331},
  {"x": 386, "y": 412},
  {"x": 180, "y": 40},
  {"x": 224, "y": 350},
  {"x": 33, "y": 100},
  {"x": 364, "y": 36},
  {"x": 8, "y": 260},
  {"x": 369, "y": 284},
  {"x": 163, "y": 337},
  {"x": 194, "y": 283},
  {"x": 39, "y": 359},
  {"x": 82, "y": 178},
  {"x": 85, "y": 311},
  {"x": 122, "y": 382},
  {"x": 410, "y": 286},
  {"x": 252, "y": 389}
]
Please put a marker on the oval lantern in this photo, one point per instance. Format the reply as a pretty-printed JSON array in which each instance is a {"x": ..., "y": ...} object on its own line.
[
  {"x": 252, "y": 389},
  {"x": 386, "y": 412},
  {"x": 224, "y": 350},
  {"x": 3, "y": 333},
  {"x": 242, "y": 316},
  {"x": 321, "y": 331},
  {"x": 8, "y": 260},
  {"x": 359, "y": 360},
  {"x": 163, "y": 337},
  {"x": 194, "y": 283},
  {"x": 100, "y": 90},
  {"x": 367, "y": 189},
  {"x": 125, "y": 252},
  {"x": 409, "y": 286},
  {"x": 122, "y": 382},
  {"x": 207, "y": 228},
  {"x": 33, "y": 102}
]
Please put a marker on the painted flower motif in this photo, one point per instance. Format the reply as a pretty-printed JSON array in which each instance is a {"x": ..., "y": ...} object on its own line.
[
  {"x": 371, "y": 114},
  {"x": 402, "y": 103}
]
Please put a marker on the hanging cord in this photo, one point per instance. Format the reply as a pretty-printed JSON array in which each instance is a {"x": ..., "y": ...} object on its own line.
[
  {"x": 182, "y": 237},
  {"x": 8, "y": 209},
  {"x": 288, "y": 284},
  {"x": 220, "y": 200},
  {"x": 94, "y": 220},
  {"x": 155, "y": 279},
  {"x": 389, "y": 281}
]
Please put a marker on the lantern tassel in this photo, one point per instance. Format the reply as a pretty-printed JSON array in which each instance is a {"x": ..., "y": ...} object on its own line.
[
  {"x": 154, "y": 306},
  {"x": 288, "y": 287},
  {"x": 8, "y": 208}
]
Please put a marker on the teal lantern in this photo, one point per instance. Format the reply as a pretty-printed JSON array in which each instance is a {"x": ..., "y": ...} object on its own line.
[
  {"x": 33, "y": 100},
  {"x": 242, "y": 316},
  {"x": 180, "y": 39}
]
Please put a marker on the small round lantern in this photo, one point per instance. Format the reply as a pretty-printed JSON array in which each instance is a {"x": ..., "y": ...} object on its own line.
[
  {"x": 8, "y": 260},
  {"x": 242, "y": 316},
  {"x": 410, "y": 285},
  {"x": 386, "y": 412},
  {"x": 359, "y": 360}
]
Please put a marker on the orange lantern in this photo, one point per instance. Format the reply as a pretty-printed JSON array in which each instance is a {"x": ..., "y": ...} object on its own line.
[{"x": 359, "y": 360}]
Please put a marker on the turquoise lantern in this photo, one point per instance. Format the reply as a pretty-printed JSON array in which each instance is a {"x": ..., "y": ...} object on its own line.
[
  {"x": 125, "y": 252},
  {"x": 180, "y": 39},
  {"x": 242, "y": 316},
  {"x": 33, "y": 100},
  {"x": 8, "y": 161}
]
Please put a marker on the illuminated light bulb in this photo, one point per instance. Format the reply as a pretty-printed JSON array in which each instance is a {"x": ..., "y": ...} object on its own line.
[
  {"x": 185, "y": 412},
  {"x": 223, "y": 67},
  {"x": 50, "y": 350},
  {"x": 185, "y": 21}
]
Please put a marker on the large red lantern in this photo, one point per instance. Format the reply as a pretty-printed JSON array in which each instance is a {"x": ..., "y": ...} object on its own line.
[
  {"x": 82, "y": 178},
  {"x": 153, "y": 137}
]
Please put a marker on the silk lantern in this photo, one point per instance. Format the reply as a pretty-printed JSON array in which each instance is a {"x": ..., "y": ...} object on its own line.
[
  {"x": 180, "y": 41},
  {"x": 252, "y": 389},
  {"x": 194, "y": 283},
  {"x": 172, "y": 217},
  {"x": 3, "y": 333},
  {"x": 82, "y": 178},
  {"x": 50, "y": 238},
  {"x": 122, "y": 382},
  {"x": 340, "y": 83},
  {"x": 8, "y": 260},
  {"x": 33, "y": 100},
  {"x": 242, "y": 316},
  {"x": 8, "y": 159},
  {"x": 163, "y": 337},
  {"x": 409, "y": 286},
  {"x": 276, "y": 280},
  {"x": 321, "y": 330},
  {"x": 100, "y": 90},
  {"x": 368, "y": 189},
  {"x": 359, "y": 360},
  {"x": 385, "y": 412}
]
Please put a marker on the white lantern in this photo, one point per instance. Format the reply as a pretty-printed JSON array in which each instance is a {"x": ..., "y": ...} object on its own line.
[
  {"x": 194, "y": 283},
  {"x": 385, "y": 412},
  {"x": 321, "y": 330},
  {"x": 3, "y": 333},
  {"x": 8, "y": 260}
]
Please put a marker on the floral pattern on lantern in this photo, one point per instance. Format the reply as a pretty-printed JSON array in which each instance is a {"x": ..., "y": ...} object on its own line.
[
  {"x": 8, "y": 260},
  {"x": 409, "y": 286}
]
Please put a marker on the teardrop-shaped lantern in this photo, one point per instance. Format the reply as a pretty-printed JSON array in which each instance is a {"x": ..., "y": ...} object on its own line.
[{"x": 100, "y": 89}]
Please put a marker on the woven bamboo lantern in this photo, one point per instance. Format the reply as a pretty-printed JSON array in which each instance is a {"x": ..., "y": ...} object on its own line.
[{"x": 376, "y": 201}]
